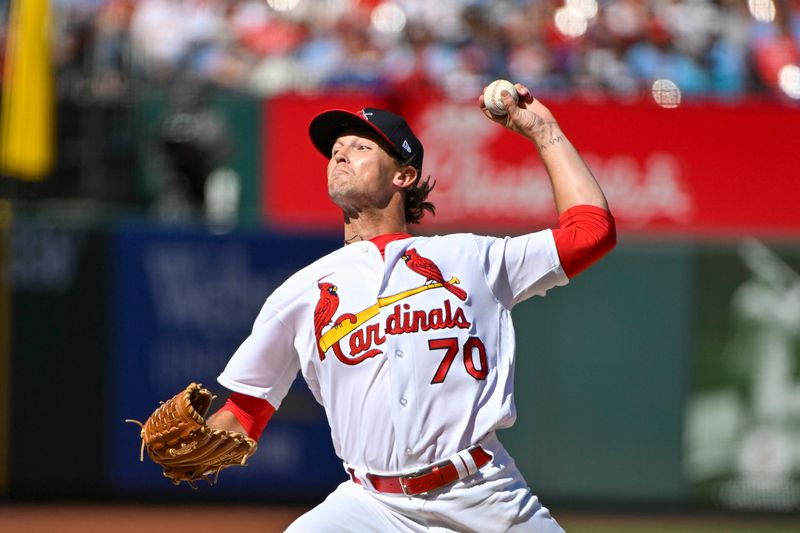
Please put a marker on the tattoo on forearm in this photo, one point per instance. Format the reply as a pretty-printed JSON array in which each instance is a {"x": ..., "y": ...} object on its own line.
[
  {"x": 548, "y": 135},
  {"x": 553, "y": 141}
]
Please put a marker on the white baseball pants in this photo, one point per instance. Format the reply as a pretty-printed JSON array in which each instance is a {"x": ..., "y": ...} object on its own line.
[{"x": 496, "y": 499}]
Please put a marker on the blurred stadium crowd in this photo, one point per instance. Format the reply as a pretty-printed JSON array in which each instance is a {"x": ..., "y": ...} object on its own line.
[
  {"x": 723, "y": 48},
  {"x": 116, "y": 61}
]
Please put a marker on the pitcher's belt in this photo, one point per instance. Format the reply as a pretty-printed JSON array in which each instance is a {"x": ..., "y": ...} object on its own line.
[{"x": 459, "y": 466}]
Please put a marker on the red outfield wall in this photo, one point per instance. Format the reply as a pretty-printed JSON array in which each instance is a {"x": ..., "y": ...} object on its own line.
[{"x": 701, "y": 169}]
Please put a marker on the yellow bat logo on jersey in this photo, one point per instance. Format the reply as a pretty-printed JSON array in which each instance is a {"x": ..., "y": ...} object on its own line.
[{"x": 342, "y": 329}]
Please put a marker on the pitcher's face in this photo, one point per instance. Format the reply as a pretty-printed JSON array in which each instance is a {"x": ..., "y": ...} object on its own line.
[{"x": 361, "y": 172}]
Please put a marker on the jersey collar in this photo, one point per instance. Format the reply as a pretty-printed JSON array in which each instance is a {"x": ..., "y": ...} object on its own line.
[{"x": 382, "y": 240}]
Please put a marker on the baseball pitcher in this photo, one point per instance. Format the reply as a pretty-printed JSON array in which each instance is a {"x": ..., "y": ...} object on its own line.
[{"x": 407, "y": 342}]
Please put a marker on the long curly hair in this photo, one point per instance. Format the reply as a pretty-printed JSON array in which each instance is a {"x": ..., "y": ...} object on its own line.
[{"x": 416, "y": 200}]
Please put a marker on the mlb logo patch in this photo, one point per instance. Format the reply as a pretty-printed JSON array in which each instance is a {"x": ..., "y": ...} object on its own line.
[{"x": 406, "y": 147}]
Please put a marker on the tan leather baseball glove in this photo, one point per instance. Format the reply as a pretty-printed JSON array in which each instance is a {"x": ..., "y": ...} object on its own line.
[{"x": 177, "y": 439}]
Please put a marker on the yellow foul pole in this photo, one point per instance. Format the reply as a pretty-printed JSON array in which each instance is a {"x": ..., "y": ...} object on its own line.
[{"x": 26, "y": 116}]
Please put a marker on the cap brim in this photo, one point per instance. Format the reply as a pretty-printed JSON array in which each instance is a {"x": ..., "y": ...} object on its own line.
[{"x": 326, "y": 127}]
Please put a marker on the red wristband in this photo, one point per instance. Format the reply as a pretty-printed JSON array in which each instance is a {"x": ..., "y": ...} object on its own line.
[{"x": 251, "y": 412}]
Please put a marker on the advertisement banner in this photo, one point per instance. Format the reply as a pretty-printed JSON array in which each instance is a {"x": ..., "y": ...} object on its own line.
[
  {"x": 59, "y": 340},
  {"x": 710, "y": 169},
  {"x": 5, "y": 341},
  {"x": 742, "y": 426},
  {"x": 185, "y": 300}
]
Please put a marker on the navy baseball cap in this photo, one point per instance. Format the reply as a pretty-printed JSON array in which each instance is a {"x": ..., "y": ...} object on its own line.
[{"x": 326, "y": 127}]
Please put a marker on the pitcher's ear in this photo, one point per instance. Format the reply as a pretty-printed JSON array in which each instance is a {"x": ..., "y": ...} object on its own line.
[{"x": 406, "y": 177}]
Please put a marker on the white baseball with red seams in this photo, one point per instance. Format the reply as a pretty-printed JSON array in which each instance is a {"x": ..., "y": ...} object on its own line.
[
  {"x": 493, "y": 96},
  {"x": 411, "y": 354}
]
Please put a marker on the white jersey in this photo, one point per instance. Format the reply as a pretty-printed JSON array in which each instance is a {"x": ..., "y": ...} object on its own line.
[{"x": 412, "y": 357}]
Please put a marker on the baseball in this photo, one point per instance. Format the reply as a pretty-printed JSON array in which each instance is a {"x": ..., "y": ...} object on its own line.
[{"x": 493, "y": 99}]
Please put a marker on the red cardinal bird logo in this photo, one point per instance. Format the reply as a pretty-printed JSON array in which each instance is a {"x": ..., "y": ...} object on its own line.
[
  {"x": 323, "y": 313},
  {"x": 425, "y": 267}
]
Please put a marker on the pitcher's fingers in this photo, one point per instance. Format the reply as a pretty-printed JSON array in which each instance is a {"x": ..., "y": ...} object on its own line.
[{"x": 524, "y": 93}]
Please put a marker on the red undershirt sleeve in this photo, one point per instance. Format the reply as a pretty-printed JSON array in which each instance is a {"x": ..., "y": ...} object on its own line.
[
  {"x": 251, "y": 412},
  {"x": 586, "y": 234}
]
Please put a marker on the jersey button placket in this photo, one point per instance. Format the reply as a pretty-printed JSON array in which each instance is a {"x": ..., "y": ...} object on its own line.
[{"x": 399, "y": 357}]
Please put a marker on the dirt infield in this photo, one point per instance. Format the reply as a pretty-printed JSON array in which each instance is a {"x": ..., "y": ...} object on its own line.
[
  {"x": 82, "y": 518},
  {"x": 133, "y": 518}
]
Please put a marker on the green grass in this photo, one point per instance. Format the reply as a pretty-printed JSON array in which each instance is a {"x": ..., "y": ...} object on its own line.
[{"x": 580, "y": 524}]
